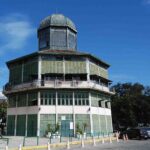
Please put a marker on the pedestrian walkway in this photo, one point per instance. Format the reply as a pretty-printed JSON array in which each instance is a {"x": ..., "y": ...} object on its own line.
[{"x": 59, "y": 142}]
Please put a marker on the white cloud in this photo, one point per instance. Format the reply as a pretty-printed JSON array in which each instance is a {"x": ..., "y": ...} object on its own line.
[
  {"x": 1, "y": 95},
  {"x": 15, "y": 29}
]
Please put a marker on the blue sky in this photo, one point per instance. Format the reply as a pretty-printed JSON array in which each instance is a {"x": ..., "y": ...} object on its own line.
[{"x": 117, "y": 31}]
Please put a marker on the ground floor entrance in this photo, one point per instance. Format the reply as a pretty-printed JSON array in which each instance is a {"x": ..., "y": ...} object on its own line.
[
  {"x": 67, "y": 124},
  {"x": 67, "y": 128}
]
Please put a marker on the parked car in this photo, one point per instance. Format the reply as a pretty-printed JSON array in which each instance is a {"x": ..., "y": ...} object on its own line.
[
  {"x": 135, "y": 133},
  {"x": 148, "y": 131}
]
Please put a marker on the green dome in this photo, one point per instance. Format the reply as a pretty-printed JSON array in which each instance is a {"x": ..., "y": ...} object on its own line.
[{"x": 57, "y": 20}]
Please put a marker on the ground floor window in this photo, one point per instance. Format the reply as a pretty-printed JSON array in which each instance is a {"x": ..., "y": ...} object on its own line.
[
  {"x": 65, "y": 98},
  {"x": 48, "y": 98},
  {"x": 81, "y": 98},
  {"x": 47, "y": 123}
]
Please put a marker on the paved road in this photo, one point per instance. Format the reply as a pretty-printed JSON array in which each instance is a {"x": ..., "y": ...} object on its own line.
[{"x": 128, "y": 145}]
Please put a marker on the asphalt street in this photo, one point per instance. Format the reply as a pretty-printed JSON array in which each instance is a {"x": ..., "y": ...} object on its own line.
[{"x": 127, "y": 145}]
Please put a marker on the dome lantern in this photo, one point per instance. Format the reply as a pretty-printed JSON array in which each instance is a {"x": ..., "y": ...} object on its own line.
[{"x": 57, "y": 32}]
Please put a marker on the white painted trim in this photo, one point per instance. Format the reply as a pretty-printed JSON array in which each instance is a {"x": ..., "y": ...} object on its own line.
[
  {"x": 23, "y": 110},
  {"x": 62, "y": 85},
  {"x": 45, "y": 109}
]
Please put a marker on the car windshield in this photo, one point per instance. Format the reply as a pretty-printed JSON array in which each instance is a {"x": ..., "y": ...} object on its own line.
[{"x": 148, "y": 129}]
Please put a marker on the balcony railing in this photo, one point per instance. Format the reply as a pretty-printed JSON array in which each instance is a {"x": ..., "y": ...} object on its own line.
[{"x": 57, "y": 84}]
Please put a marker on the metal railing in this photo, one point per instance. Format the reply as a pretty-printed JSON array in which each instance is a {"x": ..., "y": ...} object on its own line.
[{"x": 56, "y": 84}]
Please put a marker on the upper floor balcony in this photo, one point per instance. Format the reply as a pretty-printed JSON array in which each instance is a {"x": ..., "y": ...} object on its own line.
[{"x": 56, "y": 84}]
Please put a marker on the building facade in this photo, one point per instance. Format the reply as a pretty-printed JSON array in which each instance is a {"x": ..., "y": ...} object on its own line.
[{"x": 58, "y": 85}]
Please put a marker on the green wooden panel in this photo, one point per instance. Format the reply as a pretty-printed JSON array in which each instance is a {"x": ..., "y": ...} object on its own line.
[
  {"x": 57, "y": 66},
  {"x": 10, "y": 124},
  {"x": 103, "y": 124},
  {"x": 12, "y": 101},
  {"x": 22, "y": 100},
  {"x": 52, "y": 66},
  {"x": 32, "y": 125},
  {"x": 32, "y": 99},
  {"x": 15, "y": 74},
  {"x": 80, "y": 119},
  {"x": 96, "y": 125},
  {"x": 109, "y": 124},
  {"x": 109, "y": 105},
  {"x": 95, "y": 98},
  {"x": 21, "y": 123},
  {"x": 46, "y": 119},
  {"x": 97, "y": 70},
  {"x": 30, "y": 69},
  {"x": 94, "y": 69},
  {"x": 103, "y": 72},
  {"x": 103, "y": 104},
  {"x": 75, "y": 67}
]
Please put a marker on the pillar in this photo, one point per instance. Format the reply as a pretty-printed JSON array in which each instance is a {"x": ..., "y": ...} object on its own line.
[
  {"x": 88, "y": 69},
  {"x": 56, "y": 104},
  {"x": 106, "y": 120},
  {"x": 26, "y": 126},
  {"x": 15, "y": 129},
  {"x": 38, "y": 115},
  {"x": 91, "y": 120},
  {"x": 22, "y": 71},
  {"x": 39, "y": 67},
  {"x": 73, "y": 108}
]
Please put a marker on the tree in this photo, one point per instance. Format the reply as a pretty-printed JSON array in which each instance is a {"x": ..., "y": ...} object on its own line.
[
  {"x": 3, "y": 113},
  {"x": 130, "y": 105}
]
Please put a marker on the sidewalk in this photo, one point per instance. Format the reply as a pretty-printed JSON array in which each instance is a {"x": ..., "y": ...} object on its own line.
[{"x": 15, "y": 141}]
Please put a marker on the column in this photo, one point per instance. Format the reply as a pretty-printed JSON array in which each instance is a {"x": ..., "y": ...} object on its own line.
[
  {"x": 7, "y": 123},
  {"x": 88, "y": 69},
  {"x": 64, "y": 68},
  {"x": 22, "y": 71},
  {"x": 15, "y": 129},
  {"x": 109, "y": 107},
  {"x": 26, "y": 126},
  {"x": 106, "y": 119},
  {"x": 73, "y": 106},
  {"x": 99, "y": 121},
  {"x": 56, "y": 107},
  {"x": 67, "y": 41},
  {"x": 91, "y": 119},
  {"x": 39, "y": 69},
  {"x": 38, "y": 115}
]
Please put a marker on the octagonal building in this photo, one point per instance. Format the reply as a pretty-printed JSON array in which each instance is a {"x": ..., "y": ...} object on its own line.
[{"x": 58, "y": 85}]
